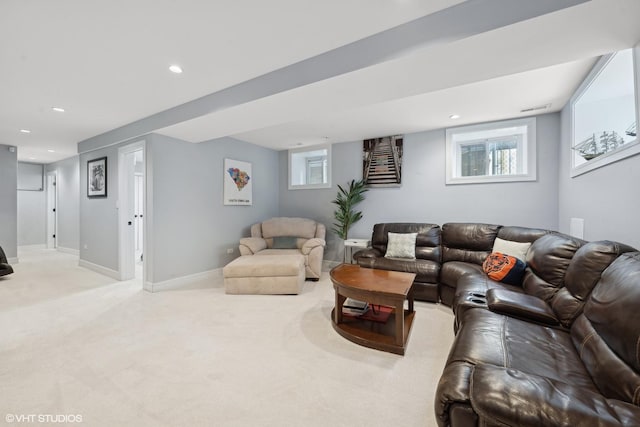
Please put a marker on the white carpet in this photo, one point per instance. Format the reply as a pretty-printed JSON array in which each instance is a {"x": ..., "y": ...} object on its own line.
[{"x": 75, "y": 342}]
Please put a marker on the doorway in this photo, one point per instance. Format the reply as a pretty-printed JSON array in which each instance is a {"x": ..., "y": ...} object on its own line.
[
  {"x": 52, "y": 216},
  {"x": 131, "y": 207}
]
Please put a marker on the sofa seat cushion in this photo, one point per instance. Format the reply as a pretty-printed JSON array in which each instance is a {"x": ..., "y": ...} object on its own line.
[
  {"x": 491, "y": 338},
  {"x": 511, "y": 397},
  {"x": 426, "y": 271},
  {"x": 279, "y": 252},
  {"x": 480, "y": 284}
]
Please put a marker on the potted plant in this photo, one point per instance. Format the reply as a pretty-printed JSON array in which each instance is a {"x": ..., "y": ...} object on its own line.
[{"x": 345, "y": 215}]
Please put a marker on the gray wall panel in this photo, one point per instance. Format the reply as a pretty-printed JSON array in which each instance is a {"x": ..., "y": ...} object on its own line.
[
  {"x": 68, "y": 184},
  {"x": 31, "y": 204},
  {"x": 424, "y": 197},
  {"x": 9, "y": 200},
  {"x": 192, "y": 229}
]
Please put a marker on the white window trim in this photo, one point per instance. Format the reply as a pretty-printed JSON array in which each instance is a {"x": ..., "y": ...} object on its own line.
[
  {"x": 311, "y": 186},
  {"x": 629, "y": 149},
  {"x": 529, "y": 154}
]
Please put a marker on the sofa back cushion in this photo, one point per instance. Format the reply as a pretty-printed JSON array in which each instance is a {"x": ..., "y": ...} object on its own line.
[
  {"x": 521, "y": 234},
  {"x": 584, "y": 271},
  {"x": 468, "y": 242},
  {"x": 427, "y": 240},
  {"x": 283, "y": 226},
  {"x": 547, "y": 262},
  {"x": 607, "y": 334}
]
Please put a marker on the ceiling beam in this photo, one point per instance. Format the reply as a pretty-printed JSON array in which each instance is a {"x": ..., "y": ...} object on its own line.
[{"x": 457, "y": 22}]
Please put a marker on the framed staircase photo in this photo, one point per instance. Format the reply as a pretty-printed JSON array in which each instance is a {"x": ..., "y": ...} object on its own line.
[{"x": 382, "y": 161}]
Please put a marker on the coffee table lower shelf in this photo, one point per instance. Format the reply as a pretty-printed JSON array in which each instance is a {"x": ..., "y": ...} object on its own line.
[{"x": 380, "y": 336}]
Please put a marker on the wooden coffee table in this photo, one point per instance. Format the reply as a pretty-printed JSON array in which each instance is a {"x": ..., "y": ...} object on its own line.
[{"x": 390, "y": 288}]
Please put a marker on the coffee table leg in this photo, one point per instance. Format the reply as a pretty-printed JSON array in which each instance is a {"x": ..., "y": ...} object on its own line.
[
  {"x": 337, "y": 311},
  {"x": 400, "y": 323}
]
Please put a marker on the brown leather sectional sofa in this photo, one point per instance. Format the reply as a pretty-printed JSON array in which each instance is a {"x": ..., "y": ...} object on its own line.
[
  {"x": 562, "y": 348},
  {"x": 5, "y": 268}
]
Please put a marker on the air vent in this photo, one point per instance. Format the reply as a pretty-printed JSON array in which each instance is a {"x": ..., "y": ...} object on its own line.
[{"x": 538, "y": 108}]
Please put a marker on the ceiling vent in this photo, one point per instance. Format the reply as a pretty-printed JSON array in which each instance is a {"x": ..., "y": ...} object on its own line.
[{"x": 538, "y": 108}]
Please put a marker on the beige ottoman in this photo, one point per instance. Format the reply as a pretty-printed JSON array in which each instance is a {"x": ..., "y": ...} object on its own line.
[{"x": 265, "y": 274}]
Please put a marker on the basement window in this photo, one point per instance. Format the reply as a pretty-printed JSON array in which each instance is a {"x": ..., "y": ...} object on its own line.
[
  {"x": 604, "y": 114},
  {"x": 310, "y": 167},
  {"x": 492, "y": 152}
]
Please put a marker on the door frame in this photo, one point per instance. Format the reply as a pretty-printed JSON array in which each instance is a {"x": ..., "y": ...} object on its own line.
[
  {"x": 126, "y": 254},
  {"x": 49, "y": 239}
]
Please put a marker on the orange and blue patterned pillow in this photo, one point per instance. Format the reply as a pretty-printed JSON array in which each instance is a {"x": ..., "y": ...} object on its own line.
[{"x": 504, "y": 268}]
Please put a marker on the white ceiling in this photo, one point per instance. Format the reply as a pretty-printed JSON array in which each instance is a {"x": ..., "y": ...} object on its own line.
[{"x": 107, "y": 64}]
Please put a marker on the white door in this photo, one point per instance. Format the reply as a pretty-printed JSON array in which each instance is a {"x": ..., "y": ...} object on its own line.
[
  {"x": 131, "y": 230},
  {"x": 139, "y": 213},
  {"x": 52, "y": 198}
]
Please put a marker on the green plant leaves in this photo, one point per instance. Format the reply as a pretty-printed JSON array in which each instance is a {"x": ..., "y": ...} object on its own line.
[{"x": 345, "y": 215}]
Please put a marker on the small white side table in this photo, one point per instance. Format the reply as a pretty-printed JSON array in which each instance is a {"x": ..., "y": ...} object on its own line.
[{"x": 354, "y": 243}]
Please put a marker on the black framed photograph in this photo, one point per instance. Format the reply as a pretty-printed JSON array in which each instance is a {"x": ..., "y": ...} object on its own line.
[
  {"x": 382, "y": 161},
  {"x": 97, "y": 177}
]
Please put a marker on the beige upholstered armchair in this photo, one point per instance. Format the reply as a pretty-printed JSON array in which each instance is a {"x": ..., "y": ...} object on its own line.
[{"x": 282, "y": 236}]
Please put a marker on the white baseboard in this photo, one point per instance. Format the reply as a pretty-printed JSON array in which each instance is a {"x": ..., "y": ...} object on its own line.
[
  {"x": 75, "y": 252},
  {"x": 32, "y": 247},
  {"x": 99, "y": 269},
  {"x": 179, "y": 282},
  {"x": 13, "y": 260}
]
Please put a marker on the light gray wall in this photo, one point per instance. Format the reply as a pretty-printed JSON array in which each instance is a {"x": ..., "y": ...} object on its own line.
[
  {"x": 98, "y": 217},
  {"x": 191, "y": 228},
  {"x": 424, "y": 197},
  {"x": 607, "y": 198},
  {"x": 30, "y": 176},
  {"x": 68, "y": 210},
  {"x": 31, "y": 204},
  {"x": 9, "y": 200}
]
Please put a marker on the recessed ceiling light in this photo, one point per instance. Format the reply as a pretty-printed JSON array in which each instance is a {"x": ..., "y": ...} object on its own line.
[
  {"x": 454, "y": 116},
  {"x": 51, "y": 151},
  {"x": 175, "y": 69},
  {"x": 25, "y": 131},
  {"x": 58, "y": 109}
]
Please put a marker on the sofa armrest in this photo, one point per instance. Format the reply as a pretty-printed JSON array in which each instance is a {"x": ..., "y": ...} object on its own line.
[
  {"x": 308, "y": 246},
  {"x": 252, "y": 245},
  {"x": 522, "y": 306},
  {"x": 368, "y": 253},
  {"x": 511, "y": 397}
]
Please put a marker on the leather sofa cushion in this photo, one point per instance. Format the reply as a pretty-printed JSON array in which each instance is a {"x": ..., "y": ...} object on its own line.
[
  {"x": 467, "y": 242},
  {"x": 584, "y": 271},
  {"x": 499, "y": 340},
  {"x": 480, "y": 284},
  {"x": 521, "y": 234},
  {"x": 511, "y": 397},
  {"x": 427, "y": 239},
  {"x": 608, "y": 332},
  {"x": 523, "y": 306},
  {"x": 550, "y": 255},
  {"x": 426, "y": 271},
  {"x": 452, "y": 271}
]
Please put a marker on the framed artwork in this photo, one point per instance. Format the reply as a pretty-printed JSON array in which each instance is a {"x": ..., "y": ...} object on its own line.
[
  {"x": 238, "y": 179},
  {"x": 97, "y": 177},
  {"x": 382, "y": 161}
]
